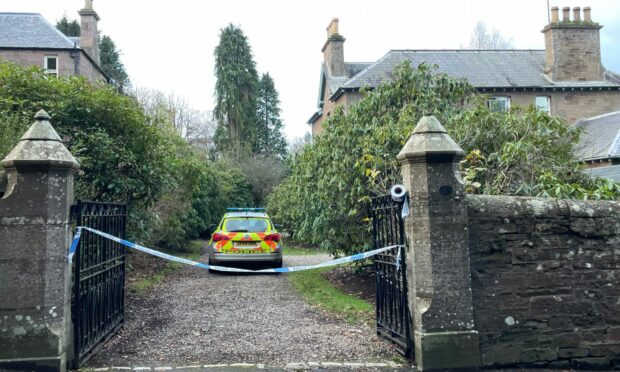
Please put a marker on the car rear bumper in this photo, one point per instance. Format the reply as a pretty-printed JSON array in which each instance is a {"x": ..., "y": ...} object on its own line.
[{"x": 216, "y": 258}]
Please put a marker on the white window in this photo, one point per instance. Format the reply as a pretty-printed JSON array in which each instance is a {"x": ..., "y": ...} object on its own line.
[
  {"x": 499, "y": 104},
  {"x": 543, "y": 103},
  {"x": 50, "y": 65}
]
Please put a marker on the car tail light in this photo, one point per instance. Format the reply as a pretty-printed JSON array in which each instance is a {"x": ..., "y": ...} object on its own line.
[
  {"x": 273, "y": 237},
  {"x": 219, "y": 237}
]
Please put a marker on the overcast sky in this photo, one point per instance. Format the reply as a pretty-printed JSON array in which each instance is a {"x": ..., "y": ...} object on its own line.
[{"x": 168, "y": 45}]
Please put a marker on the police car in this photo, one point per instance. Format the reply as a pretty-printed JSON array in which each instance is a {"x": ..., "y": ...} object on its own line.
[{"x": 245, "y": 235}]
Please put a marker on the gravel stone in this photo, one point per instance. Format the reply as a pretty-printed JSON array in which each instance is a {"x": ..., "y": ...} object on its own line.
[{"x": 196, "y": 317}]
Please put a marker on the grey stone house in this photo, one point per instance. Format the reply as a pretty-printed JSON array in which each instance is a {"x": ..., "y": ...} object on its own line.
[
  {"x": 27, "y": 39},
  {"x": 566, "y": 79}
]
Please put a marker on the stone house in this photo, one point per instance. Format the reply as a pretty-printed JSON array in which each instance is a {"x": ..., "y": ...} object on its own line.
[
  {"x": 27, "y": 39},
  {"x": 566, "y": 79}
]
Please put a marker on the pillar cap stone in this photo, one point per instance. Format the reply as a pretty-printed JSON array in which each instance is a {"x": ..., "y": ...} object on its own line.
[
  {"x": 430, "y": 142},
  {"x": 41, "y": 147}
]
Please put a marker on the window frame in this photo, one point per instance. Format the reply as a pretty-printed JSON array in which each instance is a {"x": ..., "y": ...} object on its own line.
[
  {"x": 48, "y": 71},
  {"x": 548, "y": 100},
  {"x": 505, "y": 99}
]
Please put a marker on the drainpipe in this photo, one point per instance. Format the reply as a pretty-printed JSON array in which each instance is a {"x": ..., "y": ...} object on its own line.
[{"x": 75, "y": 54}]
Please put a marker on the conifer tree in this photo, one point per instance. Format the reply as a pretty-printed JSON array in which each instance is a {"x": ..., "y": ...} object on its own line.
[
  {"x": 69, "y": 28},
  {"x": 235, "y": 92},
  {"x": 110, "y": 61},
  {"x": 270, "y": 139}
]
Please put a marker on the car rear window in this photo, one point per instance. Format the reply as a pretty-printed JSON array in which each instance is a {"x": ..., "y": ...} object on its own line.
[{"x": 245, "y": 224}]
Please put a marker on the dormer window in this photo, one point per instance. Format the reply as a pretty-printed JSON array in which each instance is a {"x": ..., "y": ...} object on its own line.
[{"x": 50, "y": 65}]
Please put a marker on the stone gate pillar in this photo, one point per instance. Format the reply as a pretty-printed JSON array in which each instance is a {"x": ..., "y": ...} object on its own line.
[
  {"x": 34, "y": 238},
  {"x": 439, "y": 276}
]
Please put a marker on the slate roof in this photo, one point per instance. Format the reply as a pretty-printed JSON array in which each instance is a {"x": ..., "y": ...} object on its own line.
[
  {"x": 600, "y": 138},
  {"x": 351, "y": 69},
  {"x": 30, "y": 31},
  {"x": 484, "y": 69},
  {"x": 611, "y": 172}
]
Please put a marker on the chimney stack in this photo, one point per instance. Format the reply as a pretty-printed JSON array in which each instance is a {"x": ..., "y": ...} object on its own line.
[
  {"x": 573, "y": 48},
  {"x": 333, "y": 50},
  {"x": 89, "y": 36}
]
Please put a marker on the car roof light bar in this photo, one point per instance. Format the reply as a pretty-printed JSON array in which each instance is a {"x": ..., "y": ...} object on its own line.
[{"x": 245, "y": 209}]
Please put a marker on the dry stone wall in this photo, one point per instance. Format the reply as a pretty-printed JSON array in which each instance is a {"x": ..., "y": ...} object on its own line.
[{"x": 546, "y": 281}]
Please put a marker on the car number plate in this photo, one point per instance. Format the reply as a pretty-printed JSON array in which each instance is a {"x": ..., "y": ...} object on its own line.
[{"x": 247, "y": 245}]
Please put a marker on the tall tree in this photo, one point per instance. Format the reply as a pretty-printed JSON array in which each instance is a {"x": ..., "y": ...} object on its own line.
[
  {"x": 109, "y": 55},
  {"x": 270, "y": 140},
  {"x": 110, "y": 61},
  {"x": 483, "y": 38},
  {"x": 235, "y": 93},
  {"x": 67, "y": 27}
]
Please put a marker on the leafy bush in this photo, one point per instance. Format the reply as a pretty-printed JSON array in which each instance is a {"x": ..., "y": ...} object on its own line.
[{"x": 325, "y": 199}]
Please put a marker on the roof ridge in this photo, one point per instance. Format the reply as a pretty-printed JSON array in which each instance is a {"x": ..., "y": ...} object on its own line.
[
  {"x": 602, "y": 115},
  {"x": 467, "y": 50},
  {"x": 614, "y": 144},
  {"x": 366, "y": 69},
  {"x": 19, "y": 13}
]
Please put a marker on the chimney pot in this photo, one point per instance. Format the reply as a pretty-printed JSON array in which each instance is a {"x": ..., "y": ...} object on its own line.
[
  {"x": 332, "y": 29},
  {"x": 555, "y": 14},
  {"x": 566, "y": 14},
  {"x": 586, "y": 14},
  {"x": 576, "y": 14}
]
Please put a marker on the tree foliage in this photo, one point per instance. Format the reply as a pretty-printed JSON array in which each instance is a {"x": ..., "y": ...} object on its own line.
[
  {"x": 483, "y": 38},
  {"x": 126, "y": 154},
  {"x": 110, "y": 61},
  {"x": 522, "y": 152},
  {"x": 235, "y": 92},
  {"x": 67, "y": 27},
  {"x": 270, "y": 140}
]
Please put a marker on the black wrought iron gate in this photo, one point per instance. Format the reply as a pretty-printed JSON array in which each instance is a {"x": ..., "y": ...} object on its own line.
[
  {"x": 390, "y": 271},
  {"x": 99, "y": 278}
]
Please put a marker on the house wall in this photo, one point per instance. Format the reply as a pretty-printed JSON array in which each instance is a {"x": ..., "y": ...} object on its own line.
[
  {"x": 545, "y": 281},
  {"x": 347, "y": 100},
  {"x": 66, "y": 64},
  {"x": 571, "y": 106}
]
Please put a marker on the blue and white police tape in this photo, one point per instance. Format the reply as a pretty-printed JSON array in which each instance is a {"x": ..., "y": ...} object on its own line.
[{"x": 355, "y": 257}]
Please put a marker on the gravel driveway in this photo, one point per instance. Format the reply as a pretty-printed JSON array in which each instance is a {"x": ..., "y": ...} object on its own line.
[{"x": 194, "y": 317}]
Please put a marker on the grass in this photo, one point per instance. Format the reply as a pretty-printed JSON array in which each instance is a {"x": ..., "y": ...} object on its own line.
[
  {"x": 294, "y": 250},
  {"x": 320, "y": 292},
  {"x": 192, "y": 253}
]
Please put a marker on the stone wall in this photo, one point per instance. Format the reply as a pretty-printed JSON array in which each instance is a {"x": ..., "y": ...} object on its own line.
[{"x": 546, "y": 281}]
